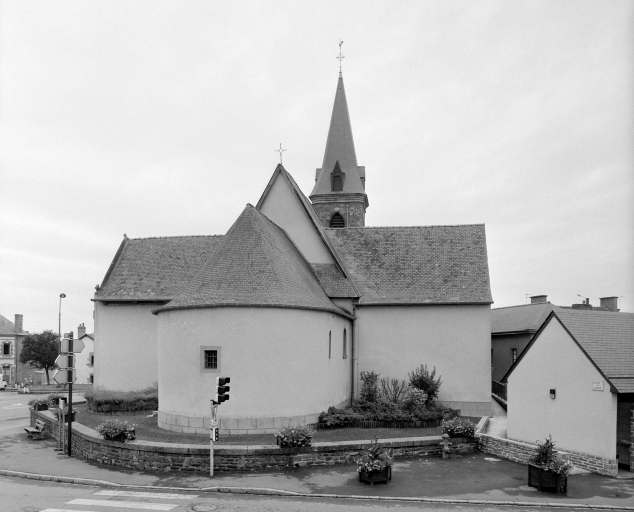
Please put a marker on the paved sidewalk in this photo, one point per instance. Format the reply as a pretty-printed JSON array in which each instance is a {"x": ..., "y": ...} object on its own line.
[
  {"x": 497, "y": 422},
  {"x": 471, "y": 477}
]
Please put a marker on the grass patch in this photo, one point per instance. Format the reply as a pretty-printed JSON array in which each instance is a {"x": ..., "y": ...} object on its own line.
[{"x": 147, "y": 430}]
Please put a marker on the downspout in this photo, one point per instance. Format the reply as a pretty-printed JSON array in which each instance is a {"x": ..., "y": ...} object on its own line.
[{"x": 353, "y": 331}]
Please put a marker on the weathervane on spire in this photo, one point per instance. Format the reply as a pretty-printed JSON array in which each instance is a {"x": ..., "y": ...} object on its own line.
[
  {"x": 280, "y": 151},
  {"x": 340, "y": 57}
]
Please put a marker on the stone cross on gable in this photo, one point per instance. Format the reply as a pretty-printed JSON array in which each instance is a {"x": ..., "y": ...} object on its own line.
[
  {"x": 280, "y": 151},
  {"x": 340, "y": 57}
]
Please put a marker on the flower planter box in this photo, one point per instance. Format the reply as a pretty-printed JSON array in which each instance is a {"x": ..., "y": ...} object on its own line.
[
  {"x": 546, "y": 480},
  {"x": 381, "y": 476},
  {"x": 40, "y": 407}
]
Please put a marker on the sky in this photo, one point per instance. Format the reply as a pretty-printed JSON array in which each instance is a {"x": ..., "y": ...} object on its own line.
[{"x": 161, "y": 118}]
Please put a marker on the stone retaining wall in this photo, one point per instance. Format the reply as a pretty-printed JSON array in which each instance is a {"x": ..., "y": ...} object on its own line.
[
  {"x": 521, "y": 452},
  {"x": 144, "y": 455}
]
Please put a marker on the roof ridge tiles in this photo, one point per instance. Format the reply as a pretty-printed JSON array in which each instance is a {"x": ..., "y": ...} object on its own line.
[
  {"x": 405, "y": 227},
  {"x": 524, "y": 305},
  {"x": 175, "y": 236}
]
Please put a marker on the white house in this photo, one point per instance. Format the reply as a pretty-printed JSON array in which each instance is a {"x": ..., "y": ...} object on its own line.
[{"x": 575, "y": 381}]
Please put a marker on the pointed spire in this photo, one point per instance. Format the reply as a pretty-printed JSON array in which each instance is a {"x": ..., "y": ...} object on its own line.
[{"x": 339, "y": 147}]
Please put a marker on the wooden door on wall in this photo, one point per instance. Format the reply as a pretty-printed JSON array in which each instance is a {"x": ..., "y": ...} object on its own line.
[{"x": 624, "y": 431}]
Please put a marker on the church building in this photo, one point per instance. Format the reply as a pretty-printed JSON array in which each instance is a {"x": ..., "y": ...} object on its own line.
[{"x": 293, "y": 303}]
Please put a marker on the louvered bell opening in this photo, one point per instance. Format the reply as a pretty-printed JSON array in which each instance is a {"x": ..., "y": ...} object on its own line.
[{"x": 337, "y": 221}]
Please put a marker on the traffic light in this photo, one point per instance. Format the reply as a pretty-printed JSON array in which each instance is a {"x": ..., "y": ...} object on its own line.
[
  {"x": 222, "y": 390},
  {"x": 215, "y": 433}
]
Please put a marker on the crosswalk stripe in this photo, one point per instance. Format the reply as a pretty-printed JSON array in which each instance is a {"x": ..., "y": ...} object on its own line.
[
  {"x": 123, "y": 504},
  {"x": 134, "y": 494},
  {"x": 65, "y": 510}
]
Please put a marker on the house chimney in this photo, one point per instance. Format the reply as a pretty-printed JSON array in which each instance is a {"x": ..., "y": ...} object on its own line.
[
  {"x": 18, "y": 324},
  {"x": 81, "y": 330},
  {"x": 609, "y": 303},
  {"x": 585, "y": 304},
  {"x": 537, "y": 299}
]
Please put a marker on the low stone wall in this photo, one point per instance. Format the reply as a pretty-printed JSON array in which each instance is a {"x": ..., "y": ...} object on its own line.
[
  {"x": 521, "y": 452},
  {"x": 144, "y": 455}
]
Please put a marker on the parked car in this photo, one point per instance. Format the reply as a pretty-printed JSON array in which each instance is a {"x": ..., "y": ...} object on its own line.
[{"x": 3, "y": 384}]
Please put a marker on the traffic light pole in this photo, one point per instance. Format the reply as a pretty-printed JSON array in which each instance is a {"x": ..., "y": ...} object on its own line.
[
  {"x": 70, "y": 415},
  {"x": 214, "y": 423}
]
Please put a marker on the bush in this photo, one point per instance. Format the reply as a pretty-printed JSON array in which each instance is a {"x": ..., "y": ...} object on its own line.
[
  {"x": 110, "y": 429},
  {"x": 38, "y": 401},
  {"x": 416, "y": 400},
  {"x": 424, "y": 415},
  {"x": 338, "y": 417},
  {"x": 295, "y": 437},
  {"x": 458, "y": 427},
  {"x": 102, "y": 400},
  {"x": 422, "y": 379},
  {"x": 394, "y": 390},
  {"x": 370, "y": 386},
  {"x": 380, "y": 410}
]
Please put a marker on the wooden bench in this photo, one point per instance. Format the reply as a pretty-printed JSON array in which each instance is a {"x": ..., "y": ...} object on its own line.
[{"x": 36, "y": 432}]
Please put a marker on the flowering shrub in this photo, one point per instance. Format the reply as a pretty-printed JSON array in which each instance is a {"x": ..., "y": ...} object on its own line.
[
  {"x": 458, "y": 427},
  {"x": 375, "y": 458},
  {"x": 545, "y": 456},
  {"x": 295, "y": 437},
  {"x": 416, "y": 400},
  {"x": 110, "y": 429},
  {"x": 338, "y": 417}
]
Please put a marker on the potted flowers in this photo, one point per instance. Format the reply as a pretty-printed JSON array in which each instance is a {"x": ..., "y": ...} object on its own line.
[
  {"x": 117, "y": 430},
  {"x": 547, "y": 471},
  {"x": 375, "y": 465},
  {"x": 39, "y": 404}
]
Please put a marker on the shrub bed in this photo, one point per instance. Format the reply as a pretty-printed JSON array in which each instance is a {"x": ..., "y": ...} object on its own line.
[{"x": 113, "y": 401}]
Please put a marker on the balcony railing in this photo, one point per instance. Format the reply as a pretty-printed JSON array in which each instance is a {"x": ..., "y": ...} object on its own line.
[{"x": 499, "y": 389}]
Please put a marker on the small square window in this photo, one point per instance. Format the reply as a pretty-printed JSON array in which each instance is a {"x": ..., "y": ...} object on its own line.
[
  {"x": 6, "y": 349},
  {"x": 210, "y": 359}
]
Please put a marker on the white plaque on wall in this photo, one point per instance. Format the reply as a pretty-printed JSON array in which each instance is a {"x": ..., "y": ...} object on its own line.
[{"x": 597, "y": 386}]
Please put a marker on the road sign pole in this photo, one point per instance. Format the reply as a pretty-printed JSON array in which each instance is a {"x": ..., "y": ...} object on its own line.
[
  {"x": 70, "y": 399},
  {"x": 214, "y": 409}
]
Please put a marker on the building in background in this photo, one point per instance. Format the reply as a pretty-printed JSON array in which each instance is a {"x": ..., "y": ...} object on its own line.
[
  {"x": 85, "y": 360},
  {"x": 11, "y": 334}
]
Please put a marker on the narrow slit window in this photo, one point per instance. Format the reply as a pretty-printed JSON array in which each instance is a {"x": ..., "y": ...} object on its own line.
[
  {"x": 345, "y": 344},
  {"x": 329, "y": 344},
  {"x": 514, "y": 354}
]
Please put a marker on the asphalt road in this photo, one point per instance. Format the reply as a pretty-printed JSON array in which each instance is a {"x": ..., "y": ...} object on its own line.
[
  {"x": 14, "y": 410},
  {"x": 34, "y": 496}
]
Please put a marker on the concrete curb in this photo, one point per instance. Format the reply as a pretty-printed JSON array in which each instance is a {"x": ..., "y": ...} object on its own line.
[{"x": 264, "y": 491}]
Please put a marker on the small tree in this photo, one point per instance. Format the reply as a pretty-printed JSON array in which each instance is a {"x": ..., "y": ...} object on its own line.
[
  {"x": 370, "y": 386},
  {"x": 421, "y": 378},
  {"x": 40, "y": 350}
]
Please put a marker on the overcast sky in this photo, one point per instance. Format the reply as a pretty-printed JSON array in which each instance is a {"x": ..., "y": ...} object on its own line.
[{"x": 161, "y": 118}]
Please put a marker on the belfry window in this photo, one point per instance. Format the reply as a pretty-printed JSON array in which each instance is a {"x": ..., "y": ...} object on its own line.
[
  {"x": 336, "y": 178},
  {"x": 336, "y": 221}
]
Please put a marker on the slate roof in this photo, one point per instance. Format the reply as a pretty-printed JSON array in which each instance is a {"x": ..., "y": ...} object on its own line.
[
  {"x": 154, "y": 269},
  {"x": 255, "y": 264},
  {"x": 608, "y": 338},
  {"x": 6, "y": 326},
  {"x": 522, "y": 318},
  {"x": 333, "y": 281},
  {"x": 416, "y": 265}
]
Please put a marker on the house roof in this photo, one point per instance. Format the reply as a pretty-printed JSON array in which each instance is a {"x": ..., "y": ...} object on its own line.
[
  {"x": 7, "y": 327},
  {"x": 255, "y": 264},
  {"x": 606, "y": 338},
  {"x": 416, "y": 265},
  {"x": 523, "y": 318},
  {"x": 154, "y": 269},
  {"x": 333, "y": 281}
]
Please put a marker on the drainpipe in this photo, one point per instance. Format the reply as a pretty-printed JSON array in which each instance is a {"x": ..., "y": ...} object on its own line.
[{"x": 353, "y": 330}]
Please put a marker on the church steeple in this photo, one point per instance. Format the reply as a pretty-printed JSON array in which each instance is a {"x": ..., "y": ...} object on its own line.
[{"x": 339, "y": 190}]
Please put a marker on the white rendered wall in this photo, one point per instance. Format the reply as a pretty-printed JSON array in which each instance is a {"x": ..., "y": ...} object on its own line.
[
  {"x": 125, "y": 346},
  {"x": 82, "y": 361},
  {"x": 284, "y": 208},
  {"x": 277, "y": 360},
  {"x": 579, "y": 419},
  {"x": 456, "y": 340}
]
